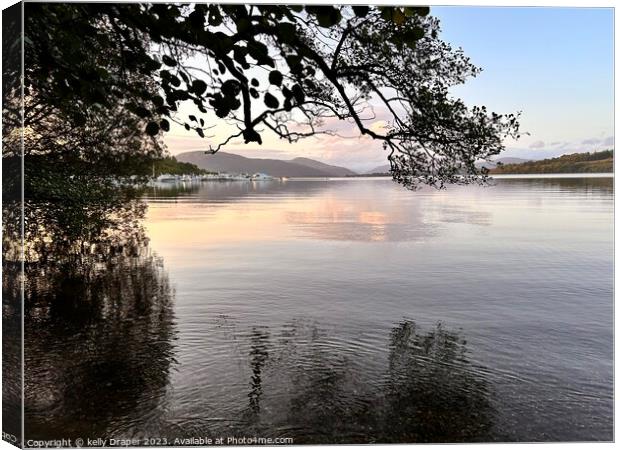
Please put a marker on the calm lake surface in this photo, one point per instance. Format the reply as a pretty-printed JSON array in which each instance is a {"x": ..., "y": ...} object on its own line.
[{"x": 341, "y": 311}]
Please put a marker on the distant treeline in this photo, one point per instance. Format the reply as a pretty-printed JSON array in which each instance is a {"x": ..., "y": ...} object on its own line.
[
  {"x": 597, "y": 162},
  {"x": 170, "y": 165}
]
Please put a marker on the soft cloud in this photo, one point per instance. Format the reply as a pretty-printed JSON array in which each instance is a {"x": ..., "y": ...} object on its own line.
[
  {"x": 537, "y": 144},
  {"x": 608, "y": 141},
  {"x": 594, "y": 143},
  {"x": 591, "y": 141}
]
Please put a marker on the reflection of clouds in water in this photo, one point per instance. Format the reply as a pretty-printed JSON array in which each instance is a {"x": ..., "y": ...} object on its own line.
[
  {"x": 381, "y": 211},
  {"x": 373, "y": 218},
  {"x": 342, "y": 210},
  {"x": 353, "y": 211},
  {"x": 347, "y": 210},
  {"x": 314, "y": 225}
]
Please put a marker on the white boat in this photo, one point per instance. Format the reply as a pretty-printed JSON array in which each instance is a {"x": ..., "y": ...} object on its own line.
[
  {"x": 166, "y": 178},
  {"x": 261, "y": 177}
]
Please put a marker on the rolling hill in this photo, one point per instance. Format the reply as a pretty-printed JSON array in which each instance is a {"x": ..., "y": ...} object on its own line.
[
  {"x": 380, "y": 169},
  {"x": 337, "y": 171},
  {"x": 231, "y": 163},
  {"x": 597, "y": 162}
]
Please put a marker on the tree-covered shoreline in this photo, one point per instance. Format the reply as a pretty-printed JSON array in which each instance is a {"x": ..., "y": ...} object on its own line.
[
  {"x": 171, "y": 166},
  {"x": 596, "y": 162}
]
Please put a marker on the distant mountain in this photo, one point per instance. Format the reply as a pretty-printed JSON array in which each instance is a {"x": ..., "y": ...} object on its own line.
[
  {"x": 306, "y": 167},
  {"x": 335, "y": 171},
  {"x": 598, "y": 162},
  {"x": 231, "y": 163},
  {"x": 380, "y": 169}
]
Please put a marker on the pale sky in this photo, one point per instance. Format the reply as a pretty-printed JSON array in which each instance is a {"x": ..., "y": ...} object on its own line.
[{"x": 553, "y": 64}]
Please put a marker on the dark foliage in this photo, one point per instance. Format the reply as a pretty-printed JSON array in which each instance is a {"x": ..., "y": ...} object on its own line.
[
  {"x": 170, "y": 165},
  {"x": 266, "y": 68}
]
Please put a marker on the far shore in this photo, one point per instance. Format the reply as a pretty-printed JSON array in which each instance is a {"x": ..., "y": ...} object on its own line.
[
  {"x": 498, "y": 176},
  {"x": 384, "y": 177},
  {"x": 554, "y": 175}
]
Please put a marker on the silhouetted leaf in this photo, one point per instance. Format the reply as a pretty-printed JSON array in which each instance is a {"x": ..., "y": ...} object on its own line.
[
  {"x": 298, "y": 93},
  {"x": 142, "y": 112},
  {"x": 271, "y": 101},
  {"x": 275, "y": 77},
  {"x": 152, "y": 129},
  {"x": 221, "y": 67},
  {"x": 199, "y": 87},
  {"x": 173, "y": 79},
  {"x": 326, "y": 16},
  {"x": 231, "y": 88},
  {"x": 168, "y": 61},
  {"x": 158, "y": 101}
]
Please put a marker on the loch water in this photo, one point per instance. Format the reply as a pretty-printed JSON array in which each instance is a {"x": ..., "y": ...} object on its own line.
[{"x": 335, "y": 311}]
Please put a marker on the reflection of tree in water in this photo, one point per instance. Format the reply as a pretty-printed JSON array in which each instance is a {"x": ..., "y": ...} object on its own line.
[
  {"x": 582, "y": 185},
  {"x": 433, "y": 395},
  {"x": 11, "y": 346},
  {"x": 317, "y": 391},
  {"x": 258, "y": 357},
  {"x": 98, "y": 319},
  {"x": 11, "y": 315},
  {"x": 328, "y": 404}
]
